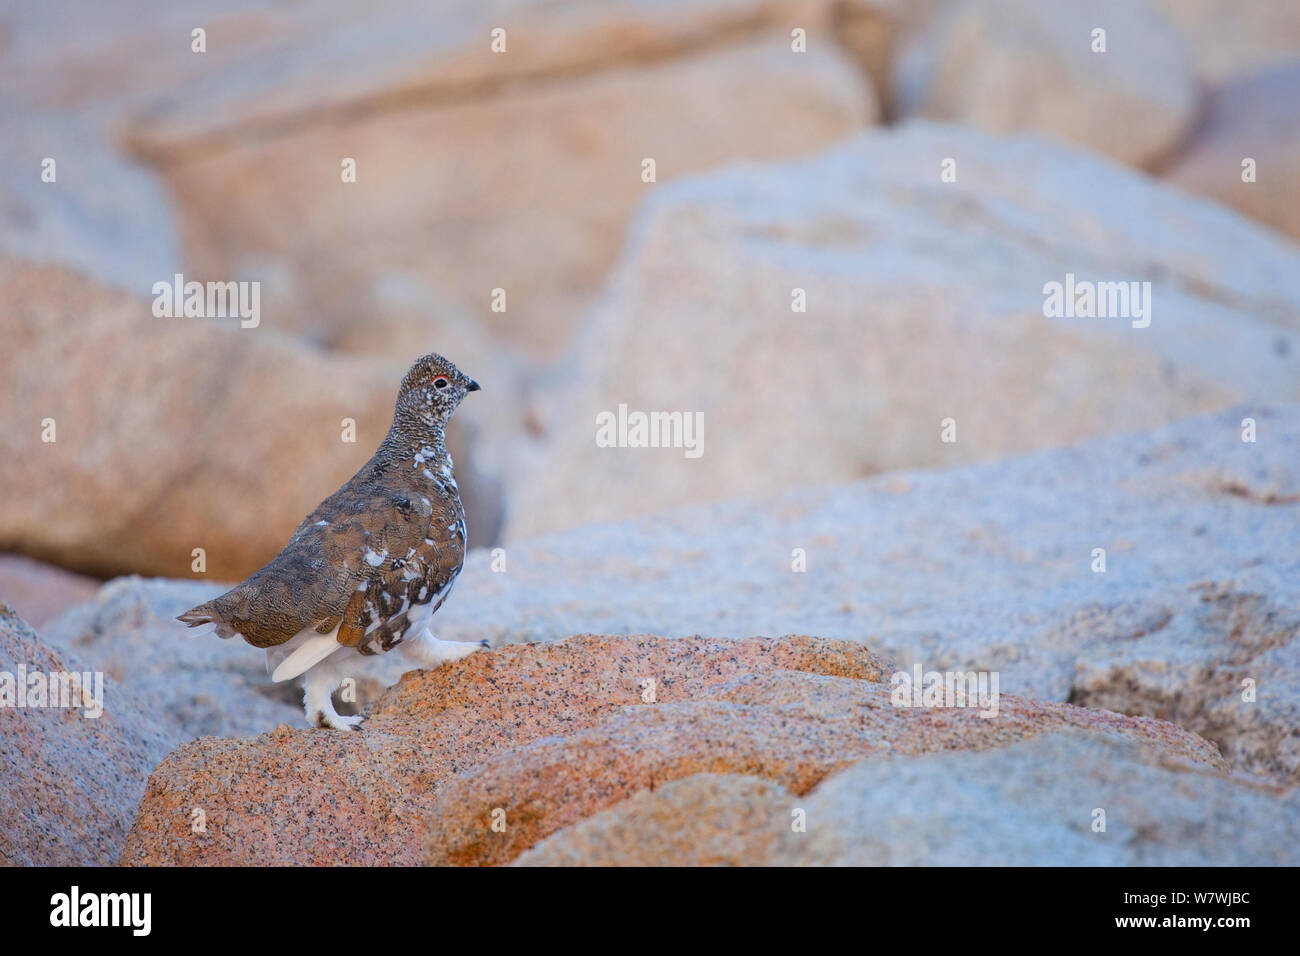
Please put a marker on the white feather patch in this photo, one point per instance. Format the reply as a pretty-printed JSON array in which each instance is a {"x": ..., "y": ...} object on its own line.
[{"x": 307, "y": 655}]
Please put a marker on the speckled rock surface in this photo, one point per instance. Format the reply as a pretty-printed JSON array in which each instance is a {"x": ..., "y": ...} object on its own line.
[
  {"x": 988, "y": 567},
  {"x": 69, "y": 782},
  {"x": 311, "y": 797},
  {"x": 1224, "y": 664},
  {"x": 551, "y": 733},
  {"x": 791, "y": 728},
  {"x": 706, "y": 819},
  {"x": 1033, "y": 803}
]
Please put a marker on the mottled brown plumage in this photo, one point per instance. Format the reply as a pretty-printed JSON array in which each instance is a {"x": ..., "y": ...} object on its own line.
[{"x": 378, "y": 557}]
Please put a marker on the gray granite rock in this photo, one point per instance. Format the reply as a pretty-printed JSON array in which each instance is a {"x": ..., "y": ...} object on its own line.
[
  {"x": 1034, "y": 803},
  {"x": 925, "y": 302},
  {"x": 70, "y": 776},
  {"x": 985, "y": 567}
]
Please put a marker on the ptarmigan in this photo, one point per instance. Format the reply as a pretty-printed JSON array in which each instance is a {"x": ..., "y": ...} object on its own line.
[{"x": 368, "y": 568}]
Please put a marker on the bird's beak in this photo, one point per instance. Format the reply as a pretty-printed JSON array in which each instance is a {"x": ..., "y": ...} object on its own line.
[{"x": 473, "y": 386}]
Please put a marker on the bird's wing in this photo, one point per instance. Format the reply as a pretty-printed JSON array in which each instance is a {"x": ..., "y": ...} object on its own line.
[
  {"x": 410, "y": 567},
  {"x": 300, "y": 589},
  {"x": 356, "y": 566}
]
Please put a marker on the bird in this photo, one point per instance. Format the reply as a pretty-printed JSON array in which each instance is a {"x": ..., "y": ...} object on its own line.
[{"x": 368, "y": 568}]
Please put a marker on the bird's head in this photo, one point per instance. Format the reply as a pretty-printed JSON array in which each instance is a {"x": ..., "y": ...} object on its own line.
[{"x": 433, "y": 389}]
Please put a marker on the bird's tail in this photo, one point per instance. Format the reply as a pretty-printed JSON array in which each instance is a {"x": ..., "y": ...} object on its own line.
[
  {"x": 196, "y": 616},
  {"x": 206, "y": 614}
]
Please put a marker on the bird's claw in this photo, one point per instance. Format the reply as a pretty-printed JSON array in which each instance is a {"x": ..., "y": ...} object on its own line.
[{"x": 339, "y": 722}]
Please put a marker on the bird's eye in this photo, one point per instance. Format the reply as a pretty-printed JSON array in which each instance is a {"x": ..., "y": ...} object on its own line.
[{"x": 439, "y": 382}]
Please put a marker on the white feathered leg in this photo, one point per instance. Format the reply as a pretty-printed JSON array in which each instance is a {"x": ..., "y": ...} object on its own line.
[
  {"x": 318, "y": 688},
  {"x": 431, "y": 652}
]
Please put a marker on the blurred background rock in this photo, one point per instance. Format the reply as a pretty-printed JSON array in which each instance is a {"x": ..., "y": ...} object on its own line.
[{"x": 521, "y": 171}]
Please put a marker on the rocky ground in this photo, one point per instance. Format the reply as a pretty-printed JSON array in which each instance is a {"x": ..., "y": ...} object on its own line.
[
  {"x": 567, "y": 736},
  {"x": 71, "y": 783},
  {"x": 543, "y": 737}
]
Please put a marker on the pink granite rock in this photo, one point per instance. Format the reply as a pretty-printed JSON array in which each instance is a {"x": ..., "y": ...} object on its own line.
[{"x": 549, "y": 734}]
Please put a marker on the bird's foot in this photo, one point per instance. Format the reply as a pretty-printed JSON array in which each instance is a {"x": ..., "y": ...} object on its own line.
[
  {"x": 317, "y": 701},
  {"x": 431, "y": 652},
  {"x": 336, "y": 721}
]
